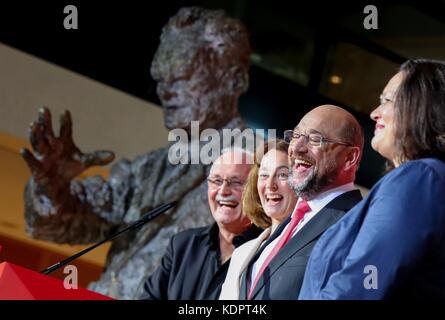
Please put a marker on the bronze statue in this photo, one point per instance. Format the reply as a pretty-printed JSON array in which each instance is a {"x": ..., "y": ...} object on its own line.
[{"x": 201, "y": 68}]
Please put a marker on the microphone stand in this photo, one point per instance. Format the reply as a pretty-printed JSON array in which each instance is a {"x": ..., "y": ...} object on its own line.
[{"x": 146, "y": 218}]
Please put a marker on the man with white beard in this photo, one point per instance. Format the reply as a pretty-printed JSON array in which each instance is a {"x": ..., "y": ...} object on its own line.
[
  {"x": 325, "y": 149},
  {"x": 196, "y": 261}
]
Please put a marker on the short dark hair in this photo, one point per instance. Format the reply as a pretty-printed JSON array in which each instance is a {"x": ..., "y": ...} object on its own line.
[
  {"x": 420, "y": 111},
  {"x": 352, "y": 132}
]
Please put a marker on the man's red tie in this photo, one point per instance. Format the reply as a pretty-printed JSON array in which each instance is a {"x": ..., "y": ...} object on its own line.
[{"x": 299, "y": 213}]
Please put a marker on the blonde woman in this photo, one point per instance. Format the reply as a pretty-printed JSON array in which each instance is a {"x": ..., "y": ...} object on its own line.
[{"x": 267, "y": 200}]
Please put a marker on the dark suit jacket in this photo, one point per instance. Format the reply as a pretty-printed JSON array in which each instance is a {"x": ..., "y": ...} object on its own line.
[
  {"x": 191, "y": 268},
  {"x": 283, "y": 277}
]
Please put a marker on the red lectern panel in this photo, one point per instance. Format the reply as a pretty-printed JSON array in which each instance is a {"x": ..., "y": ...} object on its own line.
[{"x": 18, "y": 283}]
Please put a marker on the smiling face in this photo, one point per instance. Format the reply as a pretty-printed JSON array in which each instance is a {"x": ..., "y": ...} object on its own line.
[
  {"x": 383, "y": 140},
  {"x": 276, "y": 196},
  {"x": 318, "y": 169},
  {"x": 225, "y": 201}
]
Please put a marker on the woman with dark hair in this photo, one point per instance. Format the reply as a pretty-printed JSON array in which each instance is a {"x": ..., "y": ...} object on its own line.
[
  {"x": 392, "y": 244},
  {"x": 267, "y": 200}
]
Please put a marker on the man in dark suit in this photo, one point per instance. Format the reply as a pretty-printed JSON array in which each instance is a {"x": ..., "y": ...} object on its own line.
[
  {"x": 196, "y": 261},
  {"x": 325, "y": 149}
]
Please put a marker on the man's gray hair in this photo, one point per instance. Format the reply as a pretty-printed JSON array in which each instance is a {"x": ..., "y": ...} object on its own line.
[{"x": 246, "y": 156}]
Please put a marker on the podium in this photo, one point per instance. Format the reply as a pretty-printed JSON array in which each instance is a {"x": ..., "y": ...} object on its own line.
[{"x": 18, "y": 283}]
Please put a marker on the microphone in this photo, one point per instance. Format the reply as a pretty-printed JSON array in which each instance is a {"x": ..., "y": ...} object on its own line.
[{"x": 149, "y": 215}]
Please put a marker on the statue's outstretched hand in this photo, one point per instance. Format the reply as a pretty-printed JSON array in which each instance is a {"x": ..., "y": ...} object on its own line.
[{"x": 57, "y": 160}]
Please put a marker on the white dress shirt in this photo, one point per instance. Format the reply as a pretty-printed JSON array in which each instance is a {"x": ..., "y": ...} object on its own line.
[{"x": 316, "y": 205}]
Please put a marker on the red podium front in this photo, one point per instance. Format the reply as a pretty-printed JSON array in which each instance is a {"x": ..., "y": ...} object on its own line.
[{"x": 18, "y": 283}]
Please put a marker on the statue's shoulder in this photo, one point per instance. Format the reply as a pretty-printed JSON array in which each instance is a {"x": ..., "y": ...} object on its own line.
[
  {"x": 124, "y": 167},
  {"x": 235, "y": 123},
  {"x": 151, "y": 155}
]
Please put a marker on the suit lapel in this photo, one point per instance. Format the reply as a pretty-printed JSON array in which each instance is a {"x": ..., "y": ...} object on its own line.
[
  {"x": 330, "y": 214},
  {"x": 250, "y": 251},
  {"x": 274, "y": 235},
  {"x": 248, "y": 269},
  {"x": 243, "y": 286},
  {"x": 240, "y": 261}
]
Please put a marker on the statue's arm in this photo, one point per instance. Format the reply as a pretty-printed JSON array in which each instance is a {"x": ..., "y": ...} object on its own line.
[
  {"x": 82, "y": 211},
  {"x": 59, "y": 207}
]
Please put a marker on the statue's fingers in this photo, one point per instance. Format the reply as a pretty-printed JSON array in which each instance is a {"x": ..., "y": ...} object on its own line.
[
  {"x": 37, "y": 138},
  {"x": 29, "y": 158},
  {"x": 66, "y": 126},
  {"x": 46, "y": 123},
  {"x": 98, "y": 158}
]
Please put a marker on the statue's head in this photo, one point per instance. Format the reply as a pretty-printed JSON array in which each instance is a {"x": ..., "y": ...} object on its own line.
[{"x": 201, "y": 67}]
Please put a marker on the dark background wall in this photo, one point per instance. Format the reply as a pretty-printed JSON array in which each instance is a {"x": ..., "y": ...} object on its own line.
[{"x": 305, "y": 54}]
